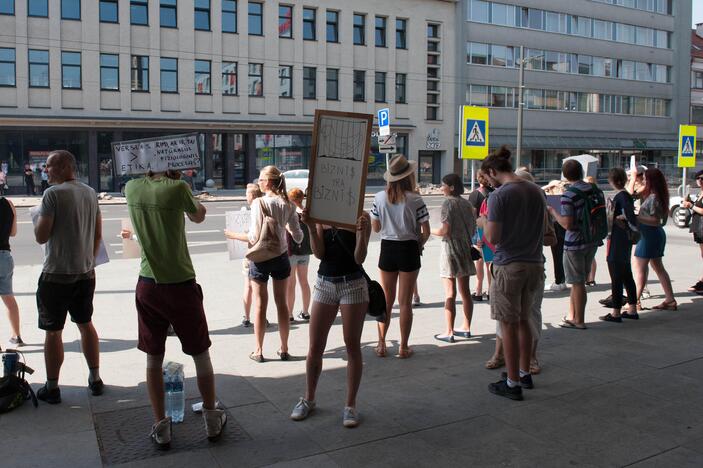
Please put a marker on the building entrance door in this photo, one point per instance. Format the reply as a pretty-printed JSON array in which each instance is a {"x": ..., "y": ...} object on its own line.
[{"x": 430, "y": 169}]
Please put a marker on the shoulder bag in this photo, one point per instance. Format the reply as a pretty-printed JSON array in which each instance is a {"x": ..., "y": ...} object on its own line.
[{"x": 268, "y": 245}]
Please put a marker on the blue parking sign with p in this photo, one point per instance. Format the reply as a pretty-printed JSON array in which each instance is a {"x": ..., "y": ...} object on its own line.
[
  {"x": 475, "y": 132},
  {"x": 384, "y": 117}
]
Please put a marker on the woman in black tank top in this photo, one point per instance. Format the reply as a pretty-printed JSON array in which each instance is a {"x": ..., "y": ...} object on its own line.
[
  {"x": 8, "y": 228},
  {"x": 340, "y": 285}
]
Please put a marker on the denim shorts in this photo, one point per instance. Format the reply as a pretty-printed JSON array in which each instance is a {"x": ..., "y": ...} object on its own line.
[
  {"x": 7, "y": 267},
  {"x": 296, "y": 260},
  {"x": 278, "y": 268}
]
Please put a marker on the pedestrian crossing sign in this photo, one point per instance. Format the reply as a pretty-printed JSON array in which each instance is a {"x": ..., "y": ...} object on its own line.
[
  {"x": 474, "y": 132},
  {"x": 687, "y": 146}
]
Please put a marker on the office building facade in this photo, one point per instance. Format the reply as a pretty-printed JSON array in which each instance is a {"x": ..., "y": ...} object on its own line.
[
  {"x": 604, "y": 77},
  {"x": 247, "y": 76}
]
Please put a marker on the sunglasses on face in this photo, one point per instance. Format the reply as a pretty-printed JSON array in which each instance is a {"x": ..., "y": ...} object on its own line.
[{"x": 699, "y": 178}]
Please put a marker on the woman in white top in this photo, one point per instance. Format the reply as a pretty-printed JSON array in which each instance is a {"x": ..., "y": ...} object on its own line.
[
  {"x": 276, "y": 202},
  {"x": 396, "y": 214}
]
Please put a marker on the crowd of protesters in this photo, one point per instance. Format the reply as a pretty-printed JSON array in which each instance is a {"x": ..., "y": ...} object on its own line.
[{"x": 497, "y": 234}]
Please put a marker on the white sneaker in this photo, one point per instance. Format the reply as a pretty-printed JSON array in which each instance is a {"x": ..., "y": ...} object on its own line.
[
  {"x": 417, "y": 301},
  {"x": 645, "y": 293},
  {"x": 350, "y": 418},
  {"x": 161, "y": 433},
  {"x": 302, "y": 410},
  {"x": 555, "y": 287},
  {"x": 215, "y": 421}
]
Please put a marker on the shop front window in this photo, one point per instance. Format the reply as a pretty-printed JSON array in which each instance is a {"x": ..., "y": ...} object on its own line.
[
  {"x": 287, "y": 152},
  {"x": 377, "y": 161}
]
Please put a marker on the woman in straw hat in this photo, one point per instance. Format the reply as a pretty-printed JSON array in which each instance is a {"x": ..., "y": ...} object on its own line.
[{"x": 397, "y": 213}]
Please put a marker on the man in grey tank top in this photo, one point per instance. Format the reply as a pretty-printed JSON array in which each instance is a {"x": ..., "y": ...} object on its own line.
[{"x": 70, "y": 227}]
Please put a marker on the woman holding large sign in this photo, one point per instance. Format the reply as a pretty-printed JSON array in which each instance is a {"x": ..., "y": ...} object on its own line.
[{"x": 397, "y": 214}]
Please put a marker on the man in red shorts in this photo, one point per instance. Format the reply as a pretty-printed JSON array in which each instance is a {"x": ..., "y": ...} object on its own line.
[{"x": 167, "y": 293}]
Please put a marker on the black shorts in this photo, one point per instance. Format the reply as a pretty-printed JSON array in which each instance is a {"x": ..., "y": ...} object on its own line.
[
  {"x": 278, "y": 268},
  {"x": 55, "y": 300},
  {"x": 399, "y": 256}
]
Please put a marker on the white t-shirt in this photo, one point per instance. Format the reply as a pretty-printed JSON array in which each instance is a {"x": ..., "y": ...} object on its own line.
[
  {"x": 283, "y": 212},
  {"x": 400, "y": 221}
]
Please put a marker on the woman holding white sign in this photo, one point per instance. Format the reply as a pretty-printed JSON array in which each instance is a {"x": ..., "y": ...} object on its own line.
[{"x": 396, "y": 214}]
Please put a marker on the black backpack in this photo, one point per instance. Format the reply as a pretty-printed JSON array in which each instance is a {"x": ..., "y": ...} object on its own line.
[
  {"x": 14, "y": 389},
  {"x": 593, "y": 224}
]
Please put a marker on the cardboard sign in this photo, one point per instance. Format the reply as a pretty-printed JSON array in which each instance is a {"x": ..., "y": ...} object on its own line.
[
  {"x": 237, "y": 221},
  {"x": 177, "y": 152},
  {"x": 338, "y": 167}
]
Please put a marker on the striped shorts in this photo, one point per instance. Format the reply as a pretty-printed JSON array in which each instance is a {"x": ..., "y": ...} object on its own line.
[{"x": 354, "y": 291}]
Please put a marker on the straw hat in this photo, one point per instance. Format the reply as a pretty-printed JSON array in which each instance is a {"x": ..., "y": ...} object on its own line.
[{"x": 399, "y": 168}]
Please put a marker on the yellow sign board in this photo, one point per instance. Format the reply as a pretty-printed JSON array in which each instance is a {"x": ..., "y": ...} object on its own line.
[
  {"x": 687, "y": 146},
  {"x": 474, "y": 132}
]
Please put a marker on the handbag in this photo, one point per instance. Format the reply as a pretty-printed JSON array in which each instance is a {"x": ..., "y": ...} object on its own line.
[
  {"x": 377, "y": 298},
  {"x": 268, "y": 245},
  {"x": 475, "y": 254}
]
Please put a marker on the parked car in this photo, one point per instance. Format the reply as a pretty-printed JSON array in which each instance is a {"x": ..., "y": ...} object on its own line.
[
  {"x": 297, "y": 178},
  {"x": 681, "y": 217}
]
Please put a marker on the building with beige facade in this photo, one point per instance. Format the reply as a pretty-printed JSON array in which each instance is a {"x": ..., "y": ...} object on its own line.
[{"x": 246, "y": 75}]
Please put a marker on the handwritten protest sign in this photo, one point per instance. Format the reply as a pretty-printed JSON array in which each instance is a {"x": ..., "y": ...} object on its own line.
[
  {"x": 177, "y": 152},
  {"x": 237, "y": 221},
  {"x": 338, "y": 167}
]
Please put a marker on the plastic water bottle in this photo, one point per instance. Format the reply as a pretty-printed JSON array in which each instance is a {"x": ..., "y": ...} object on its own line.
[{"x": 174, "y": 387}]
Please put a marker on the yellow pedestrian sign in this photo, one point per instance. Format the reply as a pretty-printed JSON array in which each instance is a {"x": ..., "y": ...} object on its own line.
[
  {"x": 474, "y": 132},
  {"x": 687, "y": 146}
]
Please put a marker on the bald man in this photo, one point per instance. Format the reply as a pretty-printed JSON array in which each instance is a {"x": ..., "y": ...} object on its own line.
[{"x": 70, "y": 226}]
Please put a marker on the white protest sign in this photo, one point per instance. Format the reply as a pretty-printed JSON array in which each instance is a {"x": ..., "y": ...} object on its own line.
[
  {"x": 177, "y": 152},
  {"x": 237, "y": 221},
  {"x": 338, "y": 167}
]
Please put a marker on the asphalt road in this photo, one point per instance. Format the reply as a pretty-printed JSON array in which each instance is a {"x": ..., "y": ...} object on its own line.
[{"x": 203, "y": 238}]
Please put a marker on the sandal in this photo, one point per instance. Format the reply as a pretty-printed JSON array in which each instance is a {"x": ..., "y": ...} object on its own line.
[
  {"x": 257, "y": 357},
  {"x": 569, "y": 324},
  {"x": 667, "y": 305},
  {"x": 535, "y": 368},
  {"x": 283, "y": 355},
  {"x": 404, "y": 353},
  {"x": 380, "y": 352},
  {"x": 495, "y": 362}
]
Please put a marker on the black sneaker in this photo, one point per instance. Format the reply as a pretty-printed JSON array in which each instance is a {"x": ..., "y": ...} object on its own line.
[
  {"x": 501, "y": 388},
  {"x": 246, "y": 323},
  {"x": 16, "y": 341},
  {"x": 53, "y": 397},
  {"x": 97, "y": 387},
  {"x": 525, "y": 381},
  {"x": 607, "y": 300},
  {"x": 611, "y": 318}
]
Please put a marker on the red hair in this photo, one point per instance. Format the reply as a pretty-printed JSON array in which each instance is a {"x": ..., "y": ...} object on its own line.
[{"x": 655, "y": 183}]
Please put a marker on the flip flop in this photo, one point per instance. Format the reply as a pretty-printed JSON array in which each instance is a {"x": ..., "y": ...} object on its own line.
[
  {"x": 569, "y": 324},
  {"x": 446, "y": 339},
  {"x": 257, "y": 357}
]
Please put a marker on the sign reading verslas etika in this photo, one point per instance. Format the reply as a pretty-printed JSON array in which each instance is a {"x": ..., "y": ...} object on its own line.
[{"x": 176, "y": 153}]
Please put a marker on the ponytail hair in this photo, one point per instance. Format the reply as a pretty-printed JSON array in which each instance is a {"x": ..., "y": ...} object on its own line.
[
  {"x": 498, "y": 161},
  {"x": 278, "y": 181}
]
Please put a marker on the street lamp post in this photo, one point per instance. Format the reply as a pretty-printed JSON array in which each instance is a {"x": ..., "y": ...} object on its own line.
[{"x": 521, "y": 102}]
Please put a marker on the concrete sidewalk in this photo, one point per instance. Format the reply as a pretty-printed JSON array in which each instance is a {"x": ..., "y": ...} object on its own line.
[{"x": 613, "y": 395}]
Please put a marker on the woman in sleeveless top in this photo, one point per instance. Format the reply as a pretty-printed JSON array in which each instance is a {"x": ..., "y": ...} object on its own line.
[{"x": 8, "y": 228}]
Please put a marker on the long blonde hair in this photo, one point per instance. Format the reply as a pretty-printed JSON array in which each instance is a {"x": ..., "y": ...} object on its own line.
[
  {"x": 396, "y": 189},
  {"x": 278, "y": 181}
]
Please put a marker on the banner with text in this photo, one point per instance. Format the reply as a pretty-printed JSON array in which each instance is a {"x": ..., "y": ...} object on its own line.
[{"x": 176, "y": 153}]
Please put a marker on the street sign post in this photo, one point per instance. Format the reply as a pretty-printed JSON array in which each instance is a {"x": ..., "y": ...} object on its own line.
[
  {"x": 387, "y": 144},
  {"x": 474, "y": 135},
  {"x": 384, "y": 121},
  {"x": 687, "y": 152}
]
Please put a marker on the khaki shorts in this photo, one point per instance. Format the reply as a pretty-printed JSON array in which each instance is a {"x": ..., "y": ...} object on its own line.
[
  {"x": 577, "y": 264},
  {"x": 513, "y": 290}
]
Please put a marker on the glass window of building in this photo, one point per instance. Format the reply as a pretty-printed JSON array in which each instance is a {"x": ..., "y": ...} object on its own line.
[
  {"x": 71, "y": 70},
  {"x": 108, "y": 11},
  {"x": 401, "y": 33},
  {"x": 602, "y": 30},
  {"x": 626, "y": 69},
  {"x": 169, "y": 75},
  {"x": 359, "y": 85},
  {"x": 201, "y": 20},
  {"x": 332, "y": 84},
  {"x": 400, "y": 88},
  {"x": 139, "y": 12},
  {"x": 359, "y": 29},
  {"x": 229, "y": 16},
  {"x": 309, "y": 83},
  {"x": 534, "y": 98},
  {"x": 110, "y": 72},
  {"x": 229, "y": 78},
  {"x": 8, "y": 75},
  {"x": 38, "y": 8},
  {"x": 285, "y": 21},
  {"x": 38, "y": 68},
  {"x": 7, "y": 7},
  {"x": 285, "y": 77},
  {"x": 537, "y": 59},
  {"x": 479, "y": 53},
  {"x": 256, "y": 19},
  {"x": 502, "y": 14},
  {"x": 478, "y": 95},
  {"x": 625, "y": 33},
  {"x": 332, "y": 26},
  {"x": 535, "y": 19},
  {"x": 287, "y": 152},
  {"x": 168, "y": 14},
  {"x": 551, "y": 60},
  {"x": 499, "y": 96},
  {"x": 662, "y": 39},
  {"x": 71, "y": 9},
  {"x": 644, "y": 36},
  {"x": 598, "y": 66},
  {"x": 432, "y": 113},
  {"x": 555, "y": 22},
  {"x": 380, "y": 30},
  {"x": 643, "y": 72},
  {"x": 585, "y": 64},
  {"x": 499, "y": 55},
  {"x": 479, "y": 11},
  {"x": 661, "y": 73},
  {"x": 432, "y": 85},
  {"x": 433, "y": 31},
  {"x": 202, "y": 76},
  {"x": 380, "y": 87},
  {"x": 256, "y": 79},
  {"x": 140, "y": 73},
  {"x": 309, "y": 24},
  {"x": 432, "y": 98}
]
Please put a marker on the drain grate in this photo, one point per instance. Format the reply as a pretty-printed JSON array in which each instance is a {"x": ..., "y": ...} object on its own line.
[{"x": 123, "y": 435}]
